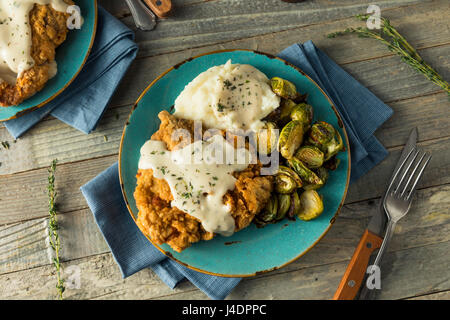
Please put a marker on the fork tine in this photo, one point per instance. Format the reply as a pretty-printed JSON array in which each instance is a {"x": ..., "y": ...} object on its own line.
[
  {"x": 410, "y": 160},
  {"x": 419, "y": 175},
  {"x": 411, "y": 175},
  {"x": 399, "y": 169}
]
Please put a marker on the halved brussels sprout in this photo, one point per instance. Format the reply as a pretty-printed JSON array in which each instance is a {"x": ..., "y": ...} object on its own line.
[
  {"x": 267, "y": 138},
  {"x": 270, "y": 211},
  {"x": 320, "y": 135},
  {"x": 311, "y": 205},
  {"x": 323, "y": 174},
  {"x": 286, "y": 107},
  {"x": 304, "y": 113},
  {"x": 291, "y": 137},
  {"x": 295, "y": 207},
  {"x": 334, "y": 146},
  {"x": 305, "y": 174},
  {"x": 326, "y": 138},
  {"x": 311, "y": 156},
  {"x": 284, "y": 183},
  {"x": 291, "y": 173},
  {"x": 283, "y": 88},
  {"x": 284, "y": 203}
]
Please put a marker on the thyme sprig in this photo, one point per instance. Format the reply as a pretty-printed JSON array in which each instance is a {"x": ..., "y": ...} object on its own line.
[
  {"x": 53, "y": 228},
  {"x": 396, "y": 43}
]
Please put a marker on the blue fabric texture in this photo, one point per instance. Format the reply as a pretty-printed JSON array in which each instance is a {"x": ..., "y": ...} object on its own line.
[
  {"x": 361, "y": 112},
  {"x": 82, "y": 104}
]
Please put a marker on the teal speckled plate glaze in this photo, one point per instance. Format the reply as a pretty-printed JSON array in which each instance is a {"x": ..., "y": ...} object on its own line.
[
  {"x": 70, "y": 57},
  {"x": 250, "y": 251}
]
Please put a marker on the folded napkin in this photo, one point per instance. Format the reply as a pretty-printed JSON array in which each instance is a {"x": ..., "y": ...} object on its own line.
[
  {"x": 361, "y": 112},
  {"x": 82, "y": 104}
]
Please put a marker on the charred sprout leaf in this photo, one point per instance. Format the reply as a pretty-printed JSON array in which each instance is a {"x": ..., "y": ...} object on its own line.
[
  {"x": 267, "y": 138},
  {"x": 305, "y": 174},
  {"x": 334, "y": 146},
  {"x": 291, "y": 137},
  {"x": 284, "y": 183},
  {"x": 284, "y": 202},
  {"x": 291, "y": 173},
  {"x": 270, "y": 211},
  {"x": 304, "y": 113},
  {"x": 300, "y": 98},
  {"x": 311, "y": 156},
  {"x": 326, "y": 138},
  {"x": 320, "y": 135},
  {"x": 283, "y": 88},
  {"x": 286, "y": 107},
  {"x": 311, "y": 205},
  {"x": 323, "y": 174},
  {"x": 295, "y": 207},
  {"x": 332, "y": 164}
]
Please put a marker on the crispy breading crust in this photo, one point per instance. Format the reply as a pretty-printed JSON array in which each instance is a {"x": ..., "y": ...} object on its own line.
[
  {"x": 166, "y": 224},
  {"x": 49, "y": 30}
]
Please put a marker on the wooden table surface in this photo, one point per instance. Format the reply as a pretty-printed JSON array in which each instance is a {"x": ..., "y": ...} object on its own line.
[{"x": 417, "y": 263}]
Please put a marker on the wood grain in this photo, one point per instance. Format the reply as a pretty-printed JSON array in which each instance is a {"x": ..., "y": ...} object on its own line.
[
  {"x": 356, "y": 269},
  {"x": 267, "y": 25}
]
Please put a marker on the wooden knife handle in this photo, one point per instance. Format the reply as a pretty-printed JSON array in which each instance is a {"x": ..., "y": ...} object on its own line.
[
  {"x": 356, "y": 269},
  {"x": 161, "y": 8}
]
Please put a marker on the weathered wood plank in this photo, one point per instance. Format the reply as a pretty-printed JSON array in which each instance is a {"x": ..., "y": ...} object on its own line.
[
  {"x": 445, "y": 295},
  {"x": 204, "y": 24},
  {"x": 386, "y": 77},
  {"x": 100, "y": 279},
  {"x": 427, "y": 223}
]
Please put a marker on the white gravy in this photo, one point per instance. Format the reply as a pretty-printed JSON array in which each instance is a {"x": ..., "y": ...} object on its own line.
[
  {"x": 229, "y": 96},
  {"x": 199, "y": 175},
  {"x": 15, "y": 36}
]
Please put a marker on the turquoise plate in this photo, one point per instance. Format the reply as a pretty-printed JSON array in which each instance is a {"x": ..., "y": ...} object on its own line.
[
  {"x": 252, "y": 250},
  {"x": 70, "y": 56}
]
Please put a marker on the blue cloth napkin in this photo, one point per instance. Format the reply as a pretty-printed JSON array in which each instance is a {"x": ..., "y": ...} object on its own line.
[
  {"x": 361, "y": 112},
  {"x": 82, "y": 104}
]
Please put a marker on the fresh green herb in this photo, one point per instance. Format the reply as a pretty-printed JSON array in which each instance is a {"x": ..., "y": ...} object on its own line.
[
  {"x": 53, "y": 228},
  {"x": 396, "y": 43},
  {"x": 220, "y": 107}
]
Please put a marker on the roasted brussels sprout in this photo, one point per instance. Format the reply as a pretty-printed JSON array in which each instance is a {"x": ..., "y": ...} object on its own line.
[
  {"x": 284, "y": 183},
  {"x": 305, "y": 174},
  {"x": 284, "y": 203},
  {"x": 326, "y": 138},
  {"x": 320, "y": 135},
  {"x": 288, "y": 171},
  {"x": 334, "y": 146},
  {"x": 267, "y": 138},
  {"x": 311, "y": 156},
  {"x": 323, "y": 174},
  {"x": 269, "y": 213},
  {"x": 295, "y": 207},
  {"x": 291, "y": 137},
  {"x": 304, "y": 113},
  {"x": 283, "y": 88},
  {"x": 311, "y": 205},
  {"x": 286, "y": 107}
]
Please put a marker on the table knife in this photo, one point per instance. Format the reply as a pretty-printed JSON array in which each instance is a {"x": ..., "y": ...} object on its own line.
[{"x": 370, "y": 241}]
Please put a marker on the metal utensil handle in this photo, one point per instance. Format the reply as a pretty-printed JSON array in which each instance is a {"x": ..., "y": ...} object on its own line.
[{"x": 143, "y": 17}]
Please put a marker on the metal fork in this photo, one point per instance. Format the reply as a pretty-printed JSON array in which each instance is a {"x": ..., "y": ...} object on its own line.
[{"x": 399, "y": 197}]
